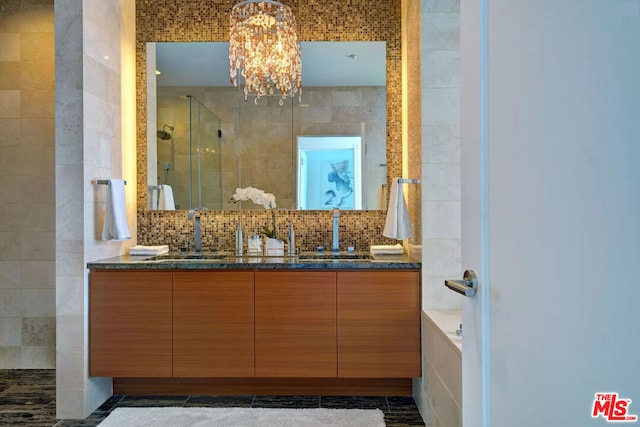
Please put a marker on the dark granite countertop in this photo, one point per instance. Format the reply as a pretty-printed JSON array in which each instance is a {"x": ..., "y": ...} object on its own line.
[{"x": 228, "y": 261}]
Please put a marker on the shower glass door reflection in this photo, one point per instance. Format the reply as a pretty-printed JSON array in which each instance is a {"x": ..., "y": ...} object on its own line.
[
  {"x": 204, "y": 146},
  {"x": 188, "y": 159}
]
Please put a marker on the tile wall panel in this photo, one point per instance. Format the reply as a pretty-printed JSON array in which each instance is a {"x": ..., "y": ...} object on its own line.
[
  {"x": 27, "y": 176},
  {"x": 441, "y": 192},
  {"x": 94, "y": 133},
  {"x": 359, "y": 229},
  {"x": 413, "y": 105}
]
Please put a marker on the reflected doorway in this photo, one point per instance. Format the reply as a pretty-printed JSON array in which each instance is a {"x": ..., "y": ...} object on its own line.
[{"x": 329, "y": 172}]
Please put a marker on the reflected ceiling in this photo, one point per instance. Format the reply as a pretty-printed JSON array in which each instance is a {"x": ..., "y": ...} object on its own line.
[{"x": 209, "y": 65}]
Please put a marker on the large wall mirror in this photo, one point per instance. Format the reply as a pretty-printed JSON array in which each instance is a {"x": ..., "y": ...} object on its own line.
[{"x": 326, "y": 149}]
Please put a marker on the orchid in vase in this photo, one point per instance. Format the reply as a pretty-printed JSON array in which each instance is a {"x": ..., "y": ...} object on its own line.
[{"x": 259, "y": 197}]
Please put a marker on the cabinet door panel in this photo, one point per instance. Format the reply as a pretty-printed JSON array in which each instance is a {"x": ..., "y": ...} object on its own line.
[
  {"x": 213, "y": 323},
  {"x": 130, "y": 324},
  {"x": 296, "y": 324},
  {"x": 378, "y": 324}
]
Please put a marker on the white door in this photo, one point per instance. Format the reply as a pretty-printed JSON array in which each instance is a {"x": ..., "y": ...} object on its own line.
[{"x": 550, "y": 132}]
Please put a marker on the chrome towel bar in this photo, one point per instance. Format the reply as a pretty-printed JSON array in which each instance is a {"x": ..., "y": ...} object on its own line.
[{"x": 106, "y": 182}]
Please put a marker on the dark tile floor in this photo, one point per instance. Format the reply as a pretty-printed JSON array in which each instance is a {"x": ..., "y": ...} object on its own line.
[{"x": 27, "y": 398}]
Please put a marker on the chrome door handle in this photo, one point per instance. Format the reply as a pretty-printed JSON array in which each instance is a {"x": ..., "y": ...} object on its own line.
[{"x": 468, "y": 286}]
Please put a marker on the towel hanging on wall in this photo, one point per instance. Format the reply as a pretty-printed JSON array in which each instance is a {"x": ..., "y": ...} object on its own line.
[
  {"x": 398, "y": 225},
  {"x": 115, "y": 225},
  {"x": 165, "y": 198}
]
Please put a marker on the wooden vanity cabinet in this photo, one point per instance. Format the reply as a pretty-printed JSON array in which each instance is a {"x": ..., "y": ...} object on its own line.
[
  {"x": 130, "y": 324},
  {"x": 378, "y": 324},
  {"x": 213, "y": 324},
  {"x": 265, "y": 327},
  {"x": 296, "y": 324}
]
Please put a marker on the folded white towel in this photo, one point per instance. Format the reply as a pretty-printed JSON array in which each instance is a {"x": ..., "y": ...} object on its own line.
[
  {"x": 386, "y": 249},
  {"x": 398, "y": 225},
  {"x": 165, "y": 198},
  {"x": 148, "y": 250},
  {"x": 115, "y": 225}
]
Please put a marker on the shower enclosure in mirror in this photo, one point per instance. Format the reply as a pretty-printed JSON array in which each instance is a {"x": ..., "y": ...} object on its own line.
[
  {"x": 188, "y": 152},
  {"x": 343, "y": 94}
]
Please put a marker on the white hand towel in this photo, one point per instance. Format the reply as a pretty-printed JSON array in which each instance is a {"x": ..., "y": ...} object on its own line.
[
  {"x": 115, "y": 214},
  {"x": 165, "y": 198},
  {"x": 398, "y": 225},
  {"x": 148, "y": 250},
  {"x": 386, "y": 249}
]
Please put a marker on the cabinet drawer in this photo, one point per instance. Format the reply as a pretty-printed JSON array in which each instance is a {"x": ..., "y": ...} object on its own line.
[
  {"x": 295, "y": 324},
  {"x": 130, "y": 324},
  {"x": 378, "y": 324},
  {"x": 213, "y": 324}
]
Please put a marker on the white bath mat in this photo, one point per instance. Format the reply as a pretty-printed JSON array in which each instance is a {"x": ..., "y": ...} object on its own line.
[{"x": 243, "y": 417}]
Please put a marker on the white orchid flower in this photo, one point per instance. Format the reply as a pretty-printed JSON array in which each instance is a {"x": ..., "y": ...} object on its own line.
[{"x": 259, "y": 197}]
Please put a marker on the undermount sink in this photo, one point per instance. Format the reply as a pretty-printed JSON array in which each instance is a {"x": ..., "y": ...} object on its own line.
[
  {"x": 189, "y": 256},
  {"x": 303, "y": 257},
  {"x": 330, "y": 256}
]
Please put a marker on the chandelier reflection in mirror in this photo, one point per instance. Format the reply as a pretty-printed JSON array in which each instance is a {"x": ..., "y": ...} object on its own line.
[{"x": 264, "y": 49}]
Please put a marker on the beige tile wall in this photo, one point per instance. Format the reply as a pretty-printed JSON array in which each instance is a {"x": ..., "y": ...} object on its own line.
[
  {"x": 94, "y": 132},
  {"x": 413, "y": 119},
  {"x": 27, "y": 217},
  {"x": 441, "y": 206},
  {"x": 436, "y": 394}
]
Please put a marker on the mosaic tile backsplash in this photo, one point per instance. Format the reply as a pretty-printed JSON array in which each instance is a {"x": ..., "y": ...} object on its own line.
[{"x": 359, "y": 229}]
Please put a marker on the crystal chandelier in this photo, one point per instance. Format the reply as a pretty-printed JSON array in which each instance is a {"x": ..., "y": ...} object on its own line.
[{"x": 264, "y": 49}]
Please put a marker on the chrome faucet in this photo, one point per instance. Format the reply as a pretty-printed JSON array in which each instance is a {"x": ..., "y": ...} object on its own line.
[
  {"x": 336, "y": 220},
  {"x": 194, "y": 214}
]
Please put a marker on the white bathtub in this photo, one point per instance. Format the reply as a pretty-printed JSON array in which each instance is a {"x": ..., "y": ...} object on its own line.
[{"x": 441, "y": 391}]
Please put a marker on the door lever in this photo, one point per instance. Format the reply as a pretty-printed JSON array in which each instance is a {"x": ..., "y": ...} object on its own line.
[{"x": 468, "y": 286}]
